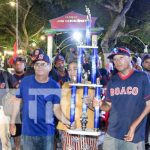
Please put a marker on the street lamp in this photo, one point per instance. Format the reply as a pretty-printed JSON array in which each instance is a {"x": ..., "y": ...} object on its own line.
[
  {"x": 13, "y": 4},
  {"x": 42, "y": 37},
  {"x": 77, "y": 36}
]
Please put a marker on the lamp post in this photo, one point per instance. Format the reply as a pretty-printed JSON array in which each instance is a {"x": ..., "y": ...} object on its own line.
[
  {"x": 17, "y": 39},
  {"x": 13, "y": 4}
]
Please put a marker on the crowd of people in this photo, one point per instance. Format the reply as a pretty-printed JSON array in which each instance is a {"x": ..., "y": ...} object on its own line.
[{"x": 41, "y": 103}]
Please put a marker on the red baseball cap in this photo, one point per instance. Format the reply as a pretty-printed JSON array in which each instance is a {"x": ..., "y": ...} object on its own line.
[{"x": 119, "y": 51}]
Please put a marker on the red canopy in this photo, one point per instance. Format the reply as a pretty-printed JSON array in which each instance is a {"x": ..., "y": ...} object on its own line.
[{"x": 71, "y": 20}]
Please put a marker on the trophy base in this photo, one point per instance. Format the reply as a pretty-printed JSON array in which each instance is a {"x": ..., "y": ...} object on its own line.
[{"x": 89, "y": 132}]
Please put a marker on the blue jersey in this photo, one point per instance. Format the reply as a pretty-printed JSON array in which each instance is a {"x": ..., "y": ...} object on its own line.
[
  {"x": 38, "y": 100},
  {"x": 128, "y": 96}
]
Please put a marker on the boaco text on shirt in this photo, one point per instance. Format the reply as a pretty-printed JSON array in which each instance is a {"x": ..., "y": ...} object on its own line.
[{"x": 124, "y": 91}]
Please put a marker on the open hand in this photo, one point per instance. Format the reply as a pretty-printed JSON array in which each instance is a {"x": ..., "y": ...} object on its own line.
[
  {"x": 88, "y": 99},
  {"x": 96, "y": 102},
  {"x": 130, "y": 135},
  {"x": 12, "y": 129}
]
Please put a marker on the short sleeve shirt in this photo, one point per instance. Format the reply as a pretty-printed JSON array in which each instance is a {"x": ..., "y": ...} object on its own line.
[
  {"x": 128, "y": 97},
  {"x": 38, "y": 100}
]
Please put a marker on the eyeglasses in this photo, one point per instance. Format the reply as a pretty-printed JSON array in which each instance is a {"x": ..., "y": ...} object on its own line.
[{"x": 41, "y": 64}]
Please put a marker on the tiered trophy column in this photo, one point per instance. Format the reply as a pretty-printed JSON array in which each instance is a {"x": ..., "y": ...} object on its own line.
[{"x": 94, "y": 84}]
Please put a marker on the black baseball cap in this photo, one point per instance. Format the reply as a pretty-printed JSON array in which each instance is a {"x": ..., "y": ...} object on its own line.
[
  {"x": 43, "y": 57},
  {"x": 145, "y": 57},
  {"x": 59, "y": 58},
  {"x": 119, "y": 51},
  {"x": 21, "y": 59}
]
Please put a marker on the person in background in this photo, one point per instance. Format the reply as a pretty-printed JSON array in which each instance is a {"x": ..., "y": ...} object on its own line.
[
  {"x": 40, "y": 97},
  {"x": 59, "y": 72},
  {"x": 146, "y": 63},
  {"x": 19, "y": 68},
  {"x": 71, "y": 55},
  {"x": 6, "y": 81},
  {"x": 87, "y": 68},
  {"x": 136, "y": 64},
  {"x": 19, "y": 65},
  {"x": 33, "y": 57},
  {"x": 104, "y": 76},
  {"x": 146, "y": 68}
]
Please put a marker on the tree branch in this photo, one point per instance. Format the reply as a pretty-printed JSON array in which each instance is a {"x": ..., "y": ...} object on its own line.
[
  {"x": 37, "y": 32},
  {"x": 135, "y": 30},
  {"x": 29, "y": 6},
  {"x": 112, "y": 29}
]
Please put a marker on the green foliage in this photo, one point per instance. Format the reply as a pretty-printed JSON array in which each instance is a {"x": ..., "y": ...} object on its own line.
[{"x": 43, "y": 10}]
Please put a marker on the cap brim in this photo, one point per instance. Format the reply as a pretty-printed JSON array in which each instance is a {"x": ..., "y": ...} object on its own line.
[
  {"x": 111, "y": 56},
  {"x": 59, "y": 60}
]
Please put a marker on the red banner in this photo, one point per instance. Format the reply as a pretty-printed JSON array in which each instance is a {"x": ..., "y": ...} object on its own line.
[
  {"x": 11, "y": 60},
  {"x": 15, "y": 49},
  {"x": 71, "y": 20}
]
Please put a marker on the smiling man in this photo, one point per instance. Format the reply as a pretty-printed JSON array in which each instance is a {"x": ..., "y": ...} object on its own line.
[
  {"x": 40, "y": 96},
  {"x": 128, "y": 100}
]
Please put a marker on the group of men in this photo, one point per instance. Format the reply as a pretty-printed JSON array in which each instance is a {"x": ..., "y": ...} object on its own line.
[{"x": 128, "y": 100}]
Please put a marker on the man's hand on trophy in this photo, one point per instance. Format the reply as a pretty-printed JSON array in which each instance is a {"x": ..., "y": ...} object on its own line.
[
  {"x": 88, "y": 100},
  {"x": 97, "y": 103},
  {"x": 73, "y": 125}
]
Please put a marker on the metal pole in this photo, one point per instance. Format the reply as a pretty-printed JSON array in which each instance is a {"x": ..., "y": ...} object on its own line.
[{"x": 17, "y": 37}]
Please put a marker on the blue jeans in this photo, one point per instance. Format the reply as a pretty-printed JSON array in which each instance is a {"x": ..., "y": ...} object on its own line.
[{"x": 38, "y": 142}]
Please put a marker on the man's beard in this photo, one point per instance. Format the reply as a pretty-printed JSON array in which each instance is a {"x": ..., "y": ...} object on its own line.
[
  {"x": 19, "y": 72},
  {"x": 148, "y": 70},
  {"x": 61, "y": 69}
]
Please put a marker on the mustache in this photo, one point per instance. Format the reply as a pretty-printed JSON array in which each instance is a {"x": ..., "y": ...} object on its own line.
[{"x": 61, "y": 68}]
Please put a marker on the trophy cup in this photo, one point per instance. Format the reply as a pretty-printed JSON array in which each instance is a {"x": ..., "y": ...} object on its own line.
[{"x": 85, "y": 85}]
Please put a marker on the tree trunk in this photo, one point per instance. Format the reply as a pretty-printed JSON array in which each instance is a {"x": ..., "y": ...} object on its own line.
[
  {"x": 25, "y": 42},
  {"x": 112, "y": 29}
]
